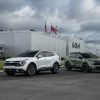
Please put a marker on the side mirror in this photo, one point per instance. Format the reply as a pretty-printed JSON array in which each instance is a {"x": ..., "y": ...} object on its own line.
[{"x": 39, "y": 56}]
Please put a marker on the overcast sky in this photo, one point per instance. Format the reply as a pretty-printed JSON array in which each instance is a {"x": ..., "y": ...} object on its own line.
[{"x": 79, "y": 17}]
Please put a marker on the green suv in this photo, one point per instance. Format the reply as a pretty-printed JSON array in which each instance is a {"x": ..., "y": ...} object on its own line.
[{"x": 85, "y": 61}]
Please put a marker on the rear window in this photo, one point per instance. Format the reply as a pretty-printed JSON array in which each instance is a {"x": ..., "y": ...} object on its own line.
[
  {"x": 48, "y": 54},
  {"x": 72, "y": 55},
  {"x": 88, "y": 55},
  {"x": 52, "y": 53}
]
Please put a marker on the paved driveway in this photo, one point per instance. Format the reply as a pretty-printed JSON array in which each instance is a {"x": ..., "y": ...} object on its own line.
[{"x": 74, "y": 85}]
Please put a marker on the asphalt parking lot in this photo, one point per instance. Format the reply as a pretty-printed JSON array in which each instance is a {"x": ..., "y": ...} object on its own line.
[{"x": 73, "y": 85}]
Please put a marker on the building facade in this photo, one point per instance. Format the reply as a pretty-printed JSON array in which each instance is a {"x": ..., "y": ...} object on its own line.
[{"x": 19, "y": 41}]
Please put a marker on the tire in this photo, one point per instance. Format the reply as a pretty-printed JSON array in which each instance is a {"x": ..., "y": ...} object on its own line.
[
  {"x": 10, "y": 73},
  {"x": 86, "y": 68},
  {"x": 68, "y": 66},
  {"x": 31, "y": 70},
  {"x": 55, "y": 68}
]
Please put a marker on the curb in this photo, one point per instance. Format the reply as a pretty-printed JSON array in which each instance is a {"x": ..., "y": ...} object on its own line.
[{"x": 1, "y": 70}]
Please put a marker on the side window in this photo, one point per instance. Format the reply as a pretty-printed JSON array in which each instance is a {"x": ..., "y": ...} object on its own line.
[
  {"x": 41, "y": 53},
  {"x": 72, "y": 55},
  {"x": 47, "y": 54},
  {"x": 78, "y": 55},
  {"x": 52, "y": 53}
]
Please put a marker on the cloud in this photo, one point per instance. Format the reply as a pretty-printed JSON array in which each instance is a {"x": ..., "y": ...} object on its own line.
[
  {"x": 25, "y": 12},
  {"x": 91, "y": 26},
  {"x": 72, "y": 16},
  {"x": 11, "y": 5}
]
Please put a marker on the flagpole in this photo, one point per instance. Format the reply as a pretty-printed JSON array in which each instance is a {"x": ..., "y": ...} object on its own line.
[
  {"x": 60, "y": 45},
  {"x": 56, "y": 44},
  {"x": 45, "y": 35},
  {"x": 45, "y": 27},
  {"x": 54, "y": 30}
]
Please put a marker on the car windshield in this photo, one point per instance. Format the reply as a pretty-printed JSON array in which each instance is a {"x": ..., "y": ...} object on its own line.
[
  {"x": 88, "y": 55},
  {"x": 28, "y": 54}
]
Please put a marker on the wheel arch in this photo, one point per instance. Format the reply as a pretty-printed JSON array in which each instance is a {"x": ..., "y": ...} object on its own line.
[
  {"x": 33, "y": 64},
  {"x": 85, "y": 63},
  {"x": 67, "y": 61},
  {"x": 86, "y": 68},
  {"x": 56, "y": 63}
]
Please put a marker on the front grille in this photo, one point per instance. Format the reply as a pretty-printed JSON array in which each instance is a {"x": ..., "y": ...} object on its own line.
[
  {"x": 14, "y": 70},
  {"x": 10, "y": 70},
  {"x": 15, "y": 63},
  {"x": 96, "y": 62},
  {"x": 97, "y": 68}
]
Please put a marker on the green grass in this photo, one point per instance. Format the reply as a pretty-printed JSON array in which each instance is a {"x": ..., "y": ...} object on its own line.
[
  {"x": 1, "y": 65},
  {"x": 62, "y": 63}
]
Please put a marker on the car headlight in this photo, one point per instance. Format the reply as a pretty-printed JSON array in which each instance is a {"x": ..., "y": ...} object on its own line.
[
  {"x": 91, "y": 62},
  {"x": 23, "y": 62}
]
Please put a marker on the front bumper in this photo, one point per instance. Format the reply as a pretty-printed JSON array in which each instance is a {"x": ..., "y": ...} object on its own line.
[
  {"x": 96, "y": 67},
  {"x": 13, "y": 69}
]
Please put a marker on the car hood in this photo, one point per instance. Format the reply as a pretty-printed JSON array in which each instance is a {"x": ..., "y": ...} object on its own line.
[{"x": 19, "y": 58}]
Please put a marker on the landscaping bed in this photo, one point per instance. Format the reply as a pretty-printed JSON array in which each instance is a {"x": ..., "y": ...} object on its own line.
[{"x": 1, "y": 65}]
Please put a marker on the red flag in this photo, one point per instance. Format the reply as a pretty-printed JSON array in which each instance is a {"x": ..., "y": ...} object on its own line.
[
  {"x": 45, "y": 27},
  {"x": 53, "y": 29}
]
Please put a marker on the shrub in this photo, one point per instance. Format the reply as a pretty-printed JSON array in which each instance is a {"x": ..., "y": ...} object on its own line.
[
  {"x": 62, "y": 58},
  {"x": 1, "y": 65}
]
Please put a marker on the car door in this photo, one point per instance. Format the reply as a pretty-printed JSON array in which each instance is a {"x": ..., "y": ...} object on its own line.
[
  {"x": 40, "y": 60},
  {"x": 48, "y": 59},
  {"x": 73, "y": 59},
  {"x": 79, "y": 60}
]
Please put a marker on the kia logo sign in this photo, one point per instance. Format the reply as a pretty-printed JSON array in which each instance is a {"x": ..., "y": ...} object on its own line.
[{"x": 75, "y": 45}]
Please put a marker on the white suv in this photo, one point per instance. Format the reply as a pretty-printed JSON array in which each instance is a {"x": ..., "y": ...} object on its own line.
[{"x": 32, "y": 62}]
